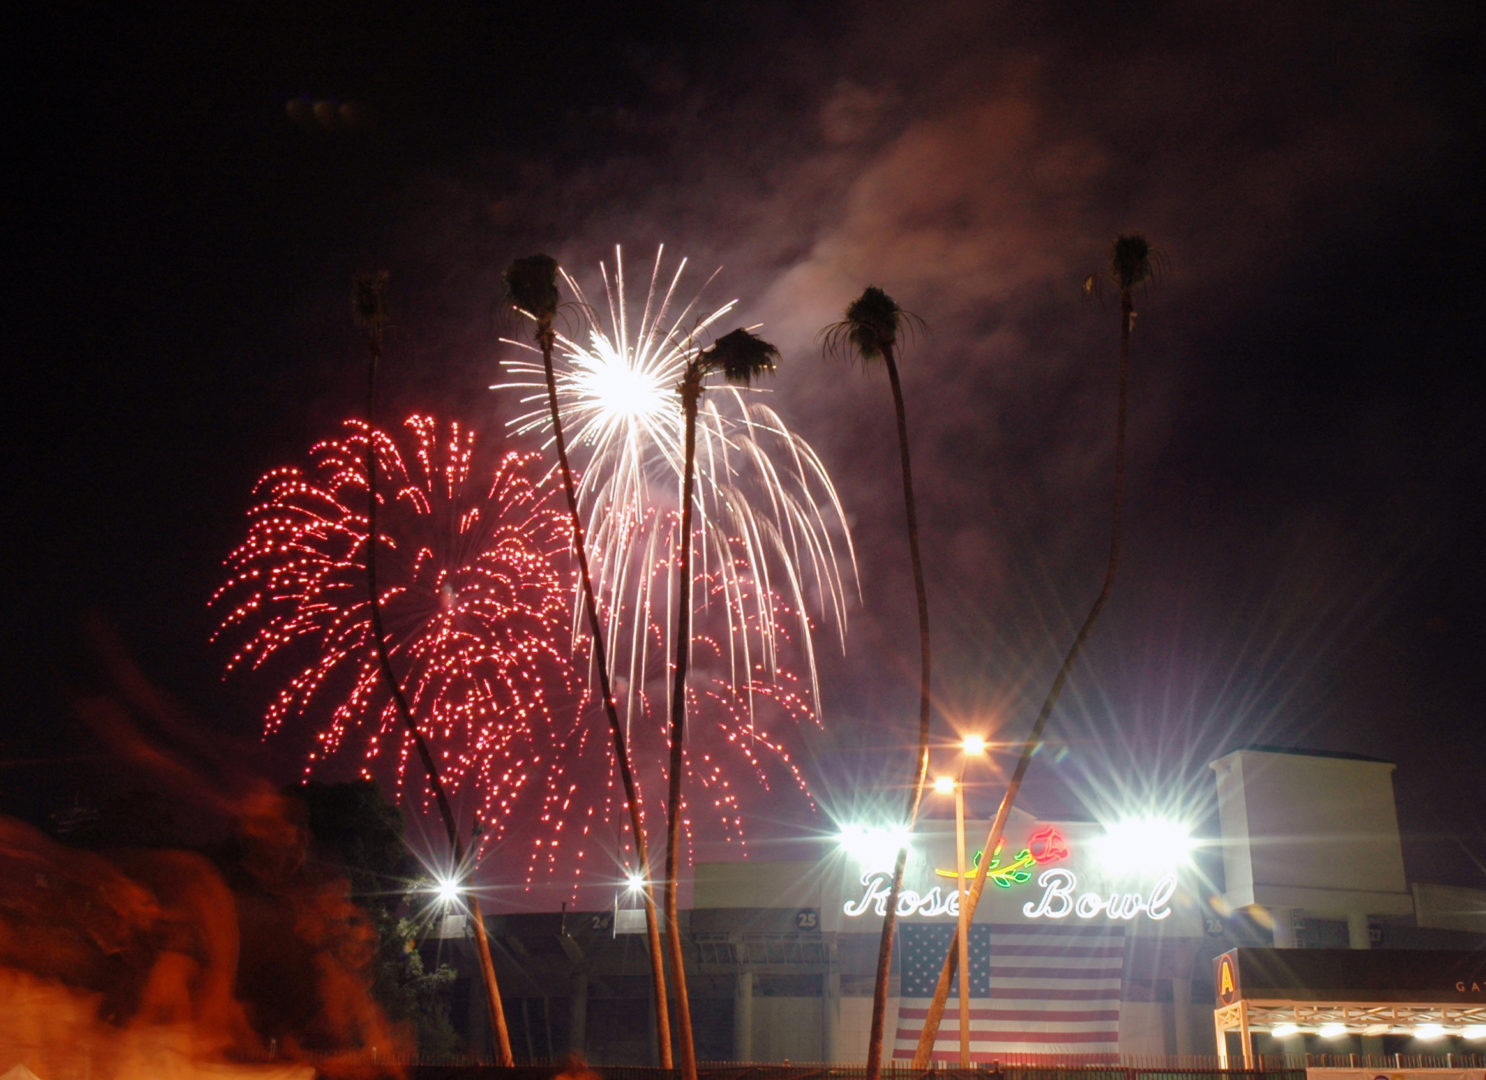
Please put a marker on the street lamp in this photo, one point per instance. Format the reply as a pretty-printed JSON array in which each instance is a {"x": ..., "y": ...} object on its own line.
[{"x": 971, "y": 744}]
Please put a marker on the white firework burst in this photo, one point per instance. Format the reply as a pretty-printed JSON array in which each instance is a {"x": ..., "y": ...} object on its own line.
[{"x": 770, "y": 540}]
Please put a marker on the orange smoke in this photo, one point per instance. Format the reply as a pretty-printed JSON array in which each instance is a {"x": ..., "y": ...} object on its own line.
[{"x": 146, "y": 963}]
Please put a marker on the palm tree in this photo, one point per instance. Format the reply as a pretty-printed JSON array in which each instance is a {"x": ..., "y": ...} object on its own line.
[
  {"x": 740, "y": 357},
  {"x": 369, "y": 305},
  {"x": 870, "y": 333},
  {"x": 531, "y": 288},
  {"x": 1131, "y": 265}
]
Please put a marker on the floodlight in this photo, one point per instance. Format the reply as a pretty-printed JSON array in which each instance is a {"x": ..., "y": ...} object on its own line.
[
  {"x": 874, "y": 845},
  {"x": 1150, "y": 844},
  {"x": 1285, "y": 1031},
  {"x": 1332, "y": 1031},
  {"x": 1428, "y": 1031}
]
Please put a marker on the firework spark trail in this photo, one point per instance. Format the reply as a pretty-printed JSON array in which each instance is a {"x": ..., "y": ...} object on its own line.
[
  {"x": 728, "y": 744},
  {"x": 740, "y": 730},
  {"x": 767, "y": 510},
  {"x": 475, "y": 602}
]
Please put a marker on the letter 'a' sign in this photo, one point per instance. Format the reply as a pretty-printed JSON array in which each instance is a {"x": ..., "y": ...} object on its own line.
[{"x": 1225, "y": 977}]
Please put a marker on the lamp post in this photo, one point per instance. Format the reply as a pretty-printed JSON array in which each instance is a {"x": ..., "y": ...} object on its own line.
[{"x": 972, "y": 744}]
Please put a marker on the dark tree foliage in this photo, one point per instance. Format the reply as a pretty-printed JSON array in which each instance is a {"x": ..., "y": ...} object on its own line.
[
  {"x": 408, "y": 992},
  {"x": 353, "y": 828},
  {"x": 356, "y": 832}
]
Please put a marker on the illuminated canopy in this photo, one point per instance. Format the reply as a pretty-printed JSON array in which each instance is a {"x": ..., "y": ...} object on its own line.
[{"x": 1366, "y": 992}]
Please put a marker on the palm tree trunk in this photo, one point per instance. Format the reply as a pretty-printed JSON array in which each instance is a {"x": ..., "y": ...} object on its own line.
[
  {"x": 616, "y": 730},
  {"x": 889, "y": 922},
  {"x": 691, "y": 390},
  {"x": 1034, "y": 737},
  {"x": 482, "y": 945}
]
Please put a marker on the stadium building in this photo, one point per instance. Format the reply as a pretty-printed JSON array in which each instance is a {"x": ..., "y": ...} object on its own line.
[{"x": 1294, "y": 929}]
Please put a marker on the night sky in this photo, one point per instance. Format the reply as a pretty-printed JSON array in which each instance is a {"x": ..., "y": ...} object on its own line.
[{"x": 193, "y": 187}]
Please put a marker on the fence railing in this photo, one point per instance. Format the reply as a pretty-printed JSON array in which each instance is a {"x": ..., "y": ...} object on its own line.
[
  {"x": 1141, "y": 1069},
  {"x": 1044, "y": 1067}
]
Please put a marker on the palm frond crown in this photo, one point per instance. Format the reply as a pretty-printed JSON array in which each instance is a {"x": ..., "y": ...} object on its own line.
[
  {"x": 1133, "y": 264},
  {"x": 740, "y": 357},
  {"x": 872, "y": 324},
  {"x": 1130, "y": 263},
  {"x": 531, "y": 286},
  {"x": 369, "y": 300}
]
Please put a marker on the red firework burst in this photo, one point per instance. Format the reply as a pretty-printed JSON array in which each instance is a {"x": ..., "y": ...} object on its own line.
[
  {"x": 474, "y": 588},
  {"x": 477, "y": 593}
]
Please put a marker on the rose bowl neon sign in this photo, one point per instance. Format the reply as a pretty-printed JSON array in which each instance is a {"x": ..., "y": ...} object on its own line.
[
  {"x": 1046, "y": 845},
  {"x": 1060, "y": 897},
  {"x": 1058, "y": 900}
]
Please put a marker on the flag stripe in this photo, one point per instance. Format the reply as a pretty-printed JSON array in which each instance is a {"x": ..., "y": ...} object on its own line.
[
  {"x": 1098, "y": 993},
  {"x": 1073, "y": 1016},
  {"x": 1077, "y": 951},
  {"x": 1041, "y": 971}
]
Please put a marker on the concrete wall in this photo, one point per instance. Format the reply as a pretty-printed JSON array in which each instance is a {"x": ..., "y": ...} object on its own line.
[
  {"x": 1311, "y": 832},
  {"x": 1143, "y": 1029},
  {"x": 788, "y": 1029},
  {"x": 855, "y": 1028},
  {"x": 1450, "y": 907},
  {"x": 758, "y": 884}
]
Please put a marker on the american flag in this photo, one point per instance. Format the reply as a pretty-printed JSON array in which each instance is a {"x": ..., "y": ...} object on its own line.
[{"x": 1038, "y": 988}]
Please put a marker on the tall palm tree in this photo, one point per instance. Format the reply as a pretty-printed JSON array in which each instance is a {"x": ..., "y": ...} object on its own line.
[
  {"x": 870, "y": 333},
  {"x": 740, "y": 357},
  {"x": 1131, "y": 265},
  {"x": 369, "y": 305},
  {"x": 531, "y": 288}
]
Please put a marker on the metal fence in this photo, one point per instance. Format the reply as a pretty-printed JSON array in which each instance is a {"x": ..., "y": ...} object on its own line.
[
  {"x": 1287, "y": 1067},
  {"x": 1142, "y": 1069}
]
